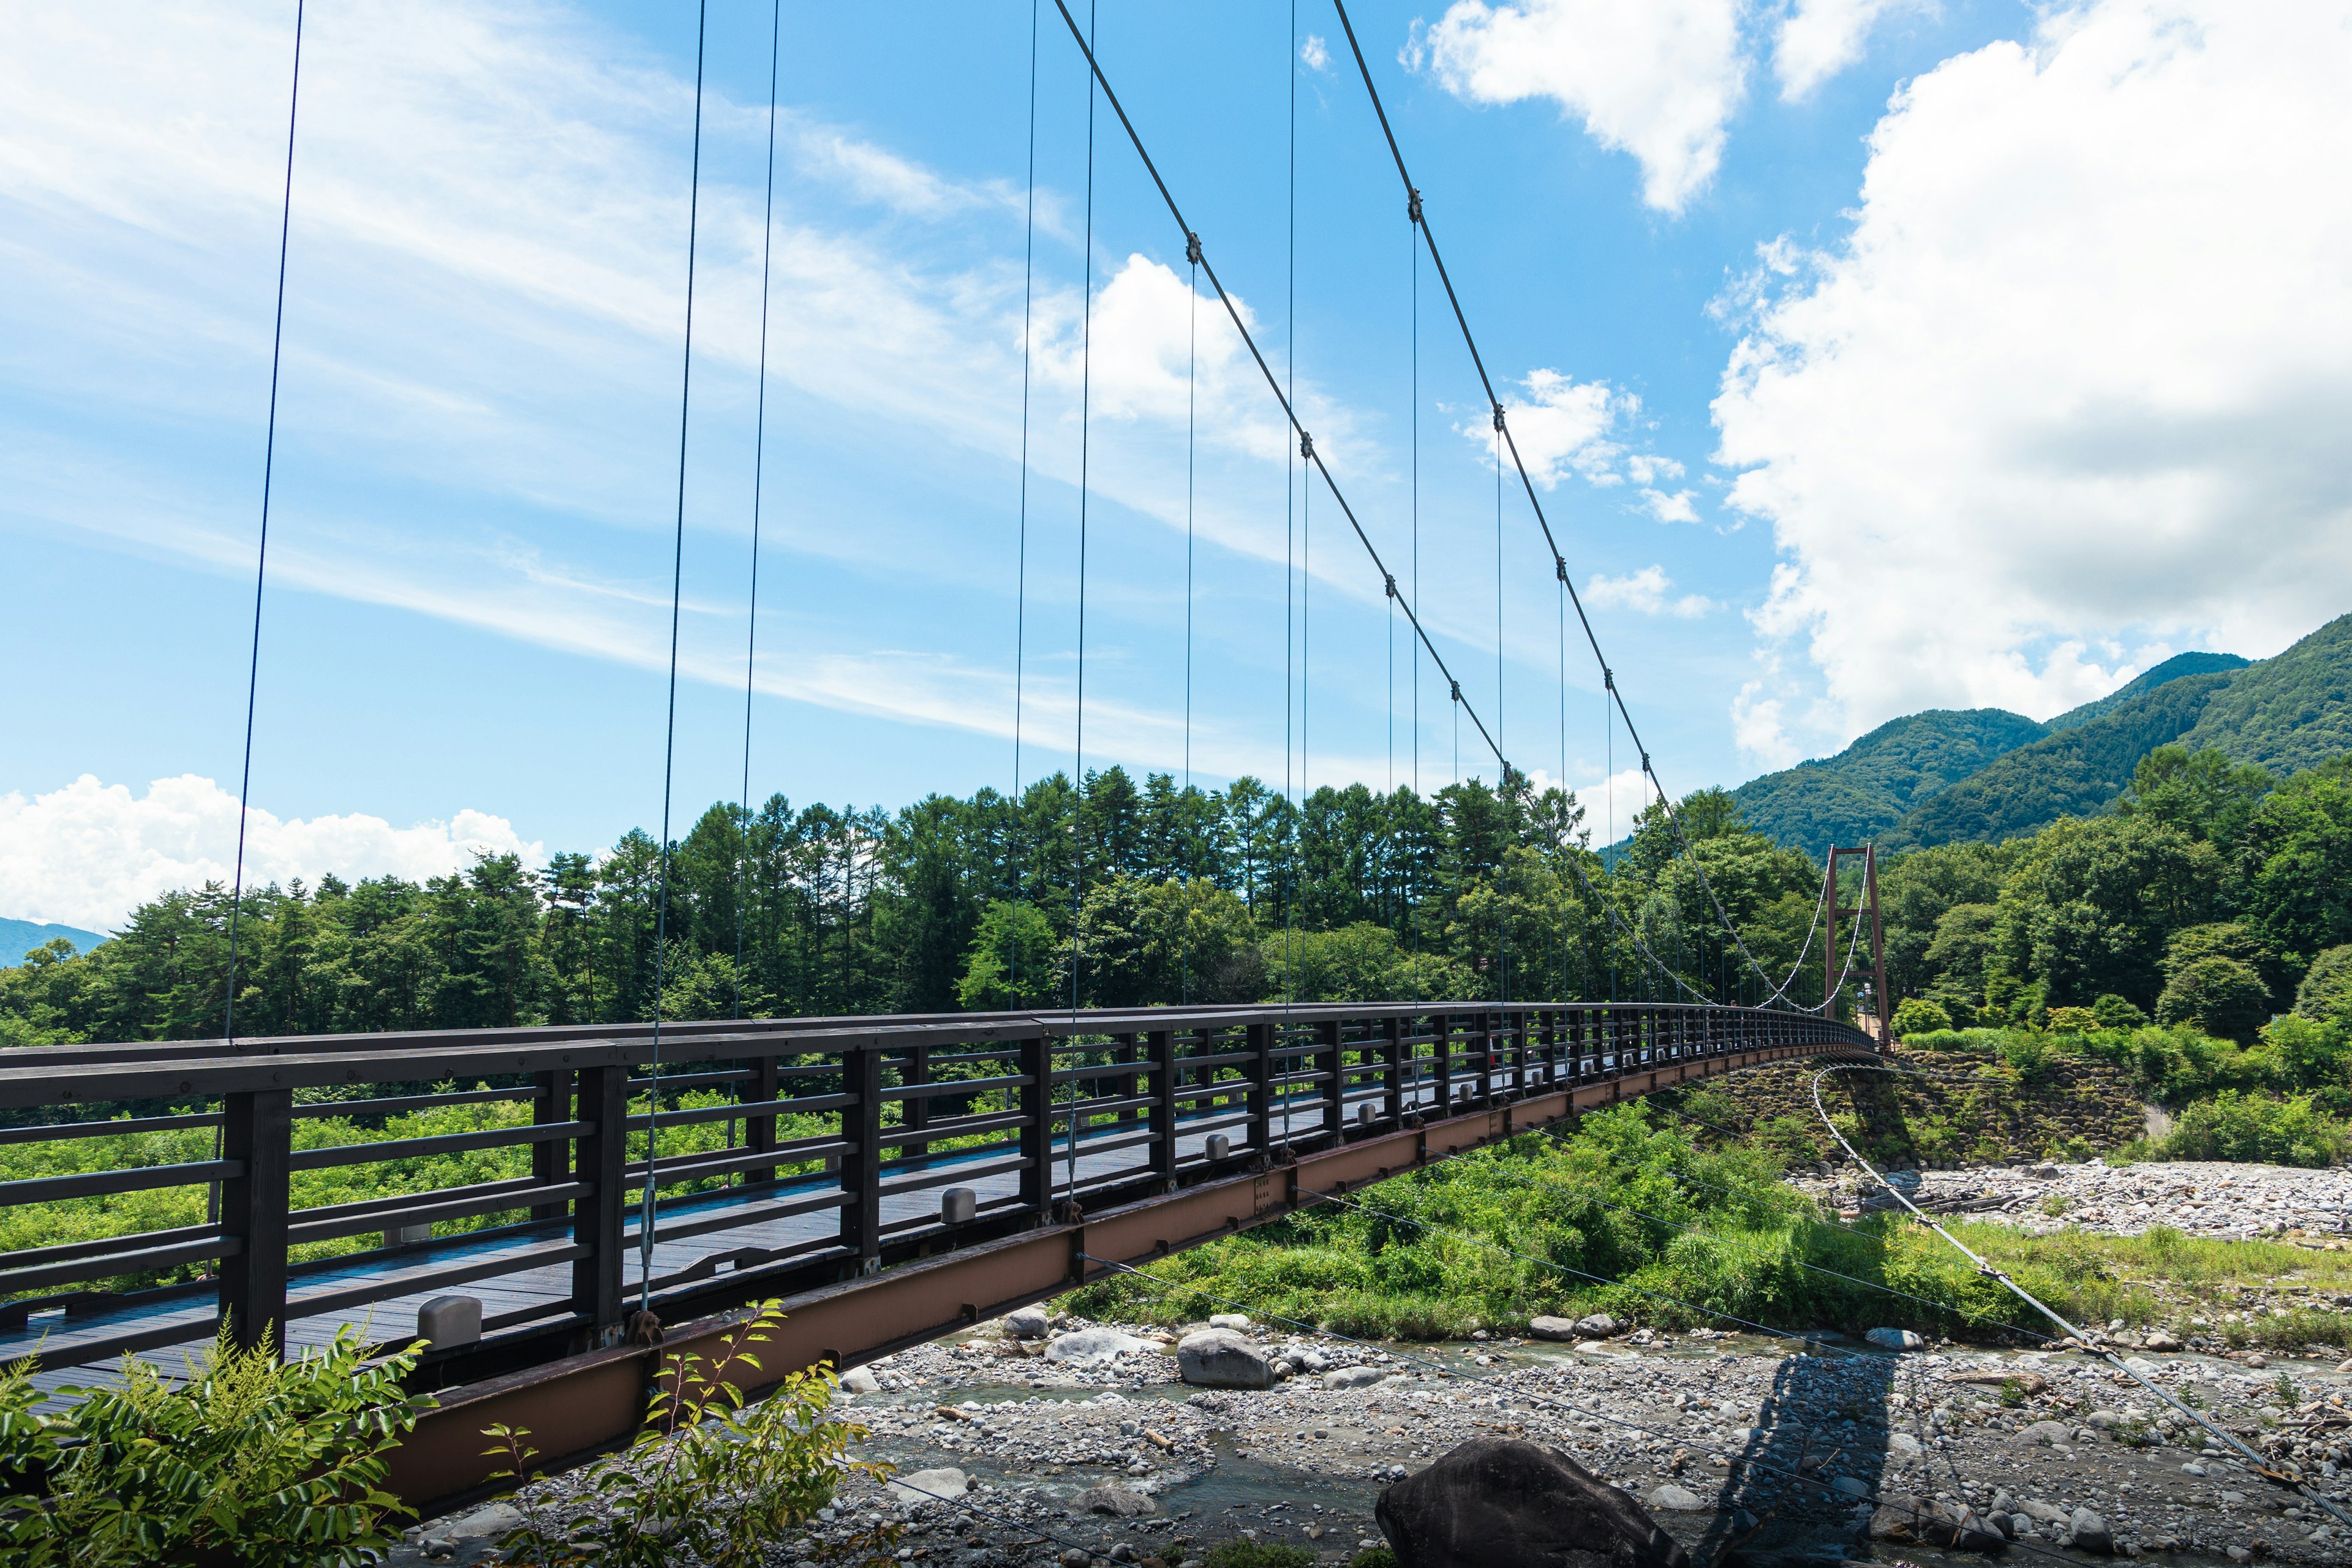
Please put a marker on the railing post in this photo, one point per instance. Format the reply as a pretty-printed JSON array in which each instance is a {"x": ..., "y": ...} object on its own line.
[
  {"x": 597, "y": 1160},
  {"x": 1393, "y": 1068},
  {"x": 861, "y": 1165},
  {"x": 548, "y": 1159},
  {"x": 1127, "y": 1086},
  {"x": 1442, "y": 1062},
  {"x": 1161, "y": 1046},
  {"x": 257, "y": 1132},
  {"x": 1261, "y": 1039},
  {"x": 760, "y": 1132},
  {"x": 915, "y": 1109},
  {"x": 1037, "y": 1102},
  {"x": 1331, "y": 1060}
]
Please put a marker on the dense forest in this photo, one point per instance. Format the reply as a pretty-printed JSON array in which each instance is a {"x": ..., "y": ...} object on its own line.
[{"x": 2205, "y": 896}]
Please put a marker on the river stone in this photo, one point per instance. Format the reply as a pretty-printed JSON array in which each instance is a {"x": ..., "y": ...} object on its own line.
[
  {"x": 1497, "y": 1502},
  {"x": 2160, "y": 1341},
  {"x": 494, "y": 1521},
  {"x": 857, "y": 1380},
  {"x": 1903, "y": 1445},
  {"x": 2090, "y": 1532},
  {"x": 1027, "y": 1323},
  {"x": 2046, "y": 1434},
  {"x": 1095, "y": 1347},
  {"x": 1552, "y": 1328},
  {"x": 1220, "y": 1358},
  {"x": 1236, "y": 1320},
  {"x": 1907, "y": 1519},
  {"x": 1116, "y": 1500},
  {"x": 1597, "y": 1326},
  {"x": 1851, "y": 1486},
  {"x": 1681, "y": 1500},
  {"x": 929, "y": 1486},
  {"x": 1895, "y": 1340},
  {"x": 1353, "y": 1377}
]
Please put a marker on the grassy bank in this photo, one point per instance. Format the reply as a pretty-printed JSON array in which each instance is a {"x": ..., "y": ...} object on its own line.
[{"x": 1691, "y": 1238}]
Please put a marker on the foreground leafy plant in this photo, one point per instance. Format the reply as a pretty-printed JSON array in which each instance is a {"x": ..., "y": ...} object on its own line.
[
  {"x": 709, "y": 1475},
  {"x": 275, "y": 1464}
]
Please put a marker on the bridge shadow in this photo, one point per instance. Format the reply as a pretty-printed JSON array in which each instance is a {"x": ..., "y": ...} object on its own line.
[{"x": 1831, "y": 1428}]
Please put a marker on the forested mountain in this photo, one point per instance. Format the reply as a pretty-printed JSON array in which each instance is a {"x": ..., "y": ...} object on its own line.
[
  {"x": 1866, "y": 788},
  {"x": 1984, "y": 775},
  {"x": 19, "y": 937},
  {"x": 2074, "y": 772},
  {"x": 2287, "y": 713},
  {"x": 2173, "y": 669}
]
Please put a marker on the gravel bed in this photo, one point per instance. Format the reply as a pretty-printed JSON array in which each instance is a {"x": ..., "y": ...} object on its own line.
[
  {"x": 2203, "y": 1198},
  {"x": 1715, "y": 1433}
]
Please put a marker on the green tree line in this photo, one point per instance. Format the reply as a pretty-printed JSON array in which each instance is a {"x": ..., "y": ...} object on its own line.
[{"x": 1114, "y": 893}]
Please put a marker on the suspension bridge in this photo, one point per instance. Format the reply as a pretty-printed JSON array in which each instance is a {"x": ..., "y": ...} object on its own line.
[{"x": 889, "y": 1179}]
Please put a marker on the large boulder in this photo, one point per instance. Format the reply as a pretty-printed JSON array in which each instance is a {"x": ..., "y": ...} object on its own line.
[
  {"x": 1118, "y": 1501},
  {"x": 1095, "y": 1347},
  {"x": 1220, "y": 1358},
  {"x": 929, "y": 1486},
  {"x": 1027, "y": 1323},
  {"x": 1597, "y": 1326},
  {"x": 1895, "y": 1340},
  {"x": 1500, "y": 1503},
  {"x": 2088, "y": 1532},
  {"x": 1907, "y": 1520},
  {"x": 1552, "y": 1328}
]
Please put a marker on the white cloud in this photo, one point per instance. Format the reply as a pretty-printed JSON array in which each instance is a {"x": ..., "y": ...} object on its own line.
[
  {"x": 1646, "y": 591},
  {"x": 2075, "y": 386},
  {"x": 88, "y": 854},
  {"x": 1563, "y": 426},
  {"x": 1757, "y": 729},
  {"x": 1819, "y": 39},
  {"x": 1676, "y": 508},
  {"x": 1658, "y": 80},
  {"x": 1315, "y": 54}
]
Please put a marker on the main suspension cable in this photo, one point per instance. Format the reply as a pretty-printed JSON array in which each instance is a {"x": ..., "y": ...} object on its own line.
[
  {"x": 1560, "y": 561},
  {"x": 1308, "y": 451},
  {"x": 1085, "y": 434},
  {"x": 1021, "y": 548}
]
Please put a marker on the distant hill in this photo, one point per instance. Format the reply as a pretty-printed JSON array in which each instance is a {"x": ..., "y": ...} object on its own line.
[
  {"x": 2288, "y": 713},
  {"x": 2172, "y": 669},
  {"x": 2074, "y": 772},
  {"x": 1985, "y": 774},
  {"x": 18, "y": 938},
  {"x": 1867, "y": 788}
]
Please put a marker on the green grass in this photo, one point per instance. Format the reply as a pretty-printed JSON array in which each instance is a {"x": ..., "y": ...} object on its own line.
[{"x": 1420, "y": 1259}]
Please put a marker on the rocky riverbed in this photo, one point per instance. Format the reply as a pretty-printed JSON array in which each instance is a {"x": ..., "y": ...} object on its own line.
[
  {"x": 1009, "y": 1453},
  {"x": 2216, "y": 1198}
]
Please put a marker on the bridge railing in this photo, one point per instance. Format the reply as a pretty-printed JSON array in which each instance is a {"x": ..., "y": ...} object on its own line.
[{"x": 295, "y": 1183}]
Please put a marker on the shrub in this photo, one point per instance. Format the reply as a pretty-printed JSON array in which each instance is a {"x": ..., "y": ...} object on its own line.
[
  {"x": 2073, "y": 1020},
  {"x": 2114, "y": 1012},
  {"x": 279, "y": 1464},
  {"x": 2326, "y": 994},
  {"x": 2220, "y": 996},
  {"x": 1259, "y": 1554},
  {"x": 1917, "y": 1015},
  {"x": 2259, "y": 1128},
  {"x": 709, "y": 1476}
]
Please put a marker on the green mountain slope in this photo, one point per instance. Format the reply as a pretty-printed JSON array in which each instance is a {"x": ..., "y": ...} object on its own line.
[
  {"x": 2073, "y": 773},
  {"x": 2290, "y": 712},
  {"x": 1868, "y": 787},
  {"x": 2172, "y": 669},
  {"x": 18, "y": 938}
]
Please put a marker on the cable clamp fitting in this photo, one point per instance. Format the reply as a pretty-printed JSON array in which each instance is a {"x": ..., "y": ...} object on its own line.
[
  {"x": 1608, "y": 678},
  {"x": 1499, "y": 415},
  {"x": 1413, "y": 204},
  {"x": 1645, "y": 762},
  {"x": 1560, "y": 565},
  {"x": 1191, "y": 248},
  {"x": 1391, "y": 584},
  {"x": 1306, "y": 446},
  {"x": 1457, "y": 691}
]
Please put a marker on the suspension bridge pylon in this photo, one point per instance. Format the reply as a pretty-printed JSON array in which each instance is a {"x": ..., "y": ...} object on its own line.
[{"x": 1877, "y": 1017}]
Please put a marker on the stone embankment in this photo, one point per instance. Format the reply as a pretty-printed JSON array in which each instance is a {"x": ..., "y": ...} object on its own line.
[{"x": 1010, "y": 1455}]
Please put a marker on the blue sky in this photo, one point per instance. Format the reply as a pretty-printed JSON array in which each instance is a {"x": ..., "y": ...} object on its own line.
[{"x": 1874, "y": 356}]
